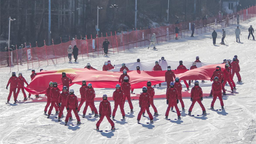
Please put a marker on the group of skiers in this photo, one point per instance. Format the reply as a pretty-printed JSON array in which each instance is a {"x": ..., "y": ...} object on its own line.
[{"x": 237, "y": 33}]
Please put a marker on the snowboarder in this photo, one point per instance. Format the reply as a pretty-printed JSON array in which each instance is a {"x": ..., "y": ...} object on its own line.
[
  {"x": 177, "y": 32},
  {"x": 216, "y": 92},
  {"x": 238, "y": 32},
  {"x": 169, "y": 76},
  {"x": 182, "y": 67},
  {"x": 223, "y": 37},
  {"x": 75, "y": 52},
  {"x": 192, "y": 29},
  {"x": 227, "y": 78},
  {"x": 153, "y": 41},
  {"x": 251, "y": 31},
  {"x": 49, "y": 100},
  {"x": 65, "y": 80},
  {"x": 110, "y": 66},
  {"x": 214, "y": 36},
  {"x": 196, "y": 96},
  {"x": 124, "y": 67},
  {"x": 88, "y": 66},
  {"x": 118, "y": 97},
  {"x": 105, "y": 46},
  {"x": 178, "y": 87},
  {"x": 236, "y": 70},
  {"x": 21, "y": 80},
  {"x": 121, "y": 78},
  {"x": 72, "y": 104},
  {"x": 70, "y": 51},
  {"x": 157, "y": 67},
  {"x": 105, "y": 111},
  {"x": 151, "y": 93},
  {"x": 105, "y": 66},
  {"x": 54, "y": 94},
  {"x": 90, "y": 95},
  {"x": 83, "y": 89},
  {"x": 13, "y": 81},
  {"x": 144, "y": 103},
  {"x": 126, "y": 87},
  {"x": 63, "y": 101},
  {"x": 173, "y": 100}
]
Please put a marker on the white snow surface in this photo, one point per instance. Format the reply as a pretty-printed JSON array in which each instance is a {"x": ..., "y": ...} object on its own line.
[{"x": 26, "y": 123}]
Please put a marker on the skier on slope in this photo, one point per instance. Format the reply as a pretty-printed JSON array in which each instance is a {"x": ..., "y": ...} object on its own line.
[
  {"x": 182, "y": 67},
  {"x": 192, "y": 29},
  {"x": 63, "y": 101},
  {"x": 251, "y": 31},
  {"x": 178, "y": 87},
  {"x": 236, "y": 70},
  {"x": 169, "y": 76},
  {"x": 157, "y": 67},
  {"x": 90, "y": 95},
  {"x": 121, "y": 78},
  {"x": 70, "y": 51},
  {"x": 118, "y": 97},
  {"x": 83, "y": 89},
  {"x": 153, "y": 41},
  {"x": 218, "y": 73},
  {"x": 173, "y": 100},
  {"x": 105, "y": 111},
  {"x": 124, "y": 67},
  {"x": 65, "y": 80},
  {"x": 196, "y": 96},
  {"x": 88, "y": 66},
  {"x": 21, "y": 81},
  {"x": 214, "y": 36},
  {"x": 126, "y": 87},
  {"x": 151, "y": 93},
  {"x": 54, "y": 94},
  {"x": 216, "y": 92},
  {"x": 75, "y": 52},
  {"x": 49, "y": 100},
  {"x": 223, "y": 37},
  {"x": 13, "y": 81},
  {"x": 237, "y": 32},
  {"x": 144, "y": 103},
  {"x": 105, "y": 46},
  {"x": 72, "y": 104}
]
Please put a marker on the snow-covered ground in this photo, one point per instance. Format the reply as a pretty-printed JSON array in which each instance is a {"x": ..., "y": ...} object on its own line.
[{"x": 26, "y": 123}]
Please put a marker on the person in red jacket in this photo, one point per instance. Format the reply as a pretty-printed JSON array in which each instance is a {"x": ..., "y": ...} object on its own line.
[
  {"x": 151, "y": 93},
  {"x": 65, "y": 80},
  {"x": 124, "y": 68},
  {"x": 32, "y": 76},
  {"x": 182, "y": 67},
  {"x": 178, "y": 87},
  {"x": 105, "y": 111},
  {"x": 21, "y": 81},
  {"x": 144, "y": 102},
  {"x": 169, "y": 76},
  {"x": 218, "y": 73},
  {"x": 110, "y": 66},
  {"x": 63, "y": 100},
  {"x": 83, "y": 89},
  {"x": 118, "y": 97},
  {"x": 216, "y": 91},
  {"x": 72, "y": 104},
  {"x": 105, "y": 67},
  {"x": 54, "y": 94},
  {"x": 90, "y": 95},
  {"x": 172, "y": 98},
  {"x": 197, "y": 59},
  {"x": 126, "y": 87},
  {"x": 192, "y": 67},
  {"x": 49, "y": 100},
  {"x": 227, "y": 78},
  {"x": 13, "y": 81},
  {"x": 196, "y": 96},
  {"x": 236, "y": 69},
  {"x": 157, "y": 67},
  {"x": 88, "y": 66},
  {"x": 121, "y": 78}
]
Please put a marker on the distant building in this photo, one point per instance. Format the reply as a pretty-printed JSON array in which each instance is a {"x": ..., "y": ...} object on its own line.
[{"x": 230, "y": 6}]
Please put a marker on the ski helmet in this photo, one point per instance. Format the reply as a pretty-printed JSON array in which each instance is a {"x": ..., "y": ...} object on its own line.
[
  {"x": 50, "y": 83},
  {"x": 71, "y": 91},
  {"x": 109, "y": 61},
  {"x": 89, "y": 85},
  {"x": 149, "y": 83},
  {"x": 124, "y": 71},
  {"x": 13, "y": 73},
  {"x": 177, "y": 79},
  {"x": 20, "y": 74},
  {"x": 117, "y": 86},
  {"x": 83, "y": 82},
  {"x": 216, "y": 78},
  {"x": 156, "y": 62},
  {"x": 226, "y": 65},
  {"x": 138, "y": 60},
  {"x": 64, "y": 88},
  {"x": 41, "y": 70},
  {"x": 88, "y": 64},
  {"x": 218, "y": 68},
  {"x": 169, "y": 68},
  {"x": 55, "y": 84},
  {"x": 235, "y": 56},
  {"x": 144, "y": 89},
  {"x": 196, "y": 83},
  {"x": 63, "y": 74},
  {"x": 197, "y": 57},
  {"x": 105, "y": 97},
  {"x": 181, "y": 62},
  {"x": 123, "y": 64},
  {"x": 234, "y": 59},
  {"x": 171, "y": 84},
  {"x": 224, "y": 61},
  {"x": 162, "y": 58}
]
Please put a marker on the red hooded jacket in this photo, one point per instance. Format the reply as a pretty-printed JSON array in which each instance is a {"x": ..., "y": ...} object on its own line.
[
  {"x": 118, "y": 96},
  {"x": 72, "y": 101},
  {"x": 196, "y": 93},
  {"x": 144, "y": 100},
  {"x": 105, "y": 108}
]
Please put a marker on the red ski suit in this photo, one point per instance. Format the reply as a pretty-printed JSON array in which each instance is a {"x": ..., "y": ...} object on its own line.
[
  {"x": 121, "y": 78},
  {"x": 144, "y": 102},
  {"x": 63, "y": 100},
  {"x": 216, "y": 92},
  {"x": 105, "y": 68},
  {"x": 110, "y": 66},
  {"x": 236, "y": 70},
  {"x": 184, "y": 68},
  {"x": 126, "y": 87},
  {"x": 169, "y": 77},
  {"x": 197, "y": 61},
  {"x": 157, "y": 67},
  {"x": 178, "y": 87},
  {"x": 32, "y": 76},
  {"x": 196, "y": 96},
  {"x": 118, "y": 97},
  {"x": 48, "y": 94},
  {"x": 151, "y": 93},
  {"x": 227, "y": 78},
  {"x": 172, "y": 97},
  {"x": 83, "y": 89},
  {"x": 66, "y": 81},
  {"x": 90, "y": 95},
  {"x": 122, "y": 68},
  {"x": 90, "y": 68},
  {"x": 13, "y": 81},
  {"x": 105, "y": 110},
  {"x": 220, "y": 75},
  {"x": 21, "y": 81},
  {"x": 54, "y": 94},
  {"x": 72, "y": 104}
]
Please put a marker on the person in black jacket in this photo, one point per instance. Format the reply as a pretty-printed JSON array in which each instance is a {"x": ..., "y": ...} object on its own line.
[
  {"x": 105, "y": 46},
  {"x": 251, "y": 31},
  {"x": 75, "y": 52},
  {"x": 214, "y": 36},
  {"x": 192, "y": 29}
]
